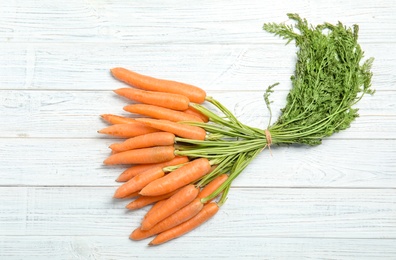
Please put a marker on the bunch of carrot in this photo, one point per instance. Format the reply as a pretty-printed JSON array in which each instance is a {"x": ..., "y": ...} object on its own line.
[
  {"x": 183, "y": 155},
  {"x": 180, "y": 187}
]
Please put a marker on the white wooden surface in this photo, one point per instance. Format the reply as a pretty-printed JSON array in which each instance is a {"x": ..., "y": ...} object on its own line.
[{"x": 334, "y": 201}]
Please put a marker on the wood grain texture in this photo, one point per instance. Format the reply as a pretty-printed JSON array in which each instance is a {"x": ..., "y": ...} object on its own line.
[
  {"x": 258, "y": 247},
  {"x": 333, "y": 201},
  {"x": 169, "y": 22}
]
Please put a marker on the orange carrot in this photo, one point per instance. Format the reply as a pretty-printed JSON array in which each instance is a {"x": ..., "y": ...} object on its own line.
[
  {"x": 194, "y": 94},
  {"x": 181, "y": 130},
  {"x": 212, "y": 186},
  {"x": 136, "y": 169},
  {"x": 195, "y": 112},
  {"x": 127, "y": 130},
  {"x": 178, "y": 178},
  {"x": 181, "y": 198},
  {"x": 138, "y": 182},
  {"x": 168, "y": 100},
  {"x": 173, "y": 220},
  {"x": 114, "y": 119},
  {"x": 143, "y": 201},
  {"x": 133, "y": 195},
  {"x": 156, "y": 206},
  {"x": 161, "y": 113},
  {"x": 144, "y": 141},
  {"x": 142, "y": 156},
  {"x": 208, "y": 211}
]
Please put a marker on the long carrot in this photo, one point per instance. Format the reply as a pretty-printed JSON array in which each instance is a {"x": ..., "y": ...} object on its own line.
[
  {"x": 180, "y": 199},
  {"x": 212, "y": 186},
  {"x": 142, "y": 156},
  {"x": 115, "y": 119},
  {"x": 194, "y": 94},
  {"x": 195, "y": 112},
  {"x": 144, "y": 141},
  {"x": 138, "y": 182},
  {"x": 181, "y": 130},
  {"x": 208, "y": 211},
  {"x": 161, "y": 113},
  {"x": 167, "y": 100},
  {"x": 143, "y": 201},
  {"x": 173, "y": 220},
  {"x": 128, "y": 130},
  {"x": 136, "y": 169},
  {"x": 156, "y": 206},
  {"x": 178, "y": 178}
]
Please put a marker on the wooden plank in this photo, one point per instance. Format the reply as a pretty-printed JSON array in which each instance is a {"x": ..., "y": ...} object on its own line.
[
  {"x": 231, "y": 67},
  {"x": 249, "y": 212},
  {"x": 335, "y": 163},
  {"x": 76, "y": 114},
  {"x": 186, "y": 22},
  {"x": 114, "y": 247}
]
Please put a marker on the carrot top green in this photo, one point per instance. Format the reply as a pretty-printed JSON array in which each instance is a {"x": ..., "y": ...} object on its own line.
[{"x": 330, "y": 78}]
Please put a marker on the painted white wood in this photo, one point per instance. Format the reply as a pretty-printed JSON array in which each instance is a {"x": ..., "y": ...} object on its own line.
[
  {"x": 169, "y": 22},
  {"x": 334, "y": 201},
  {"x": 240, "y": 247}
]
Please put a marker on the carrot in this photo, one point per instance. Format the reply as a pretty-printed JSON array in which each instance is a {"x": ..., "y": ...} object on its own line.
[
  {"x": 138, "y": 182},
  {"x": 212, "y": 186},
  {"x": 127, "y": 130},
  {"x": 181, "y": 130},
  {"x": 167, "y": 100},
  {"x": 195, "y": 112},
  {"x": 143, "y": 201},
  {"x": 161, "y": 113},
  {"x": 180, "y": 199},
  {"x": 132, "y": 195},
  {"x": 178, "y": 178},
  {"x": 208, "y": 211},
  {"x": 194, "y": 94},
  {"x": 114, "y": 119},
  {"x": 157, "y": 205},
  {"x": 142, "y": 156},
  {"x": 173, "y": 220},
  {"x": 136, "y": 169},
  {"x": 144, "y": 141}
]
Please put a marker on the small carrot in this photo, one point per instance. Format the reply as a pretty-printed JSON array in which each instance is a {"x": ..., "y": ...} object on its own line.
[
  {"x": 178, "y": 178},
  {"x": 208, "y": 211},
  {"x": 167, "y": 100},
  {"x": 144, "y": 141},
  {"x": 138, "y": 182},
  {"x": 127, "y": 130},
  {"x": 180, "y": 199},
  {"x": 114, "y": 119},
  {"x": 194, "y": 94},
  {"x": 142, "y": 156},
  {"x": 143, "y": 201},
  {"x": 195, "y": 112},
  {"x": 161, "y": 113},
  {"x": 212, "y": 186},
  {"x": 173, "y": 220},
  {"x": 136, "y": 169},
  {"x": 181, "y": 130}
]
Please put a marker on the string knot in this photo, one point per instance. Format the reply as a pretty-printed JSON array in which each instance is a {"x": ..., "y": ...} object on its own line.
[
  {"x": 268, "y": 137},
  {"x": 269, "y": 140}
]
